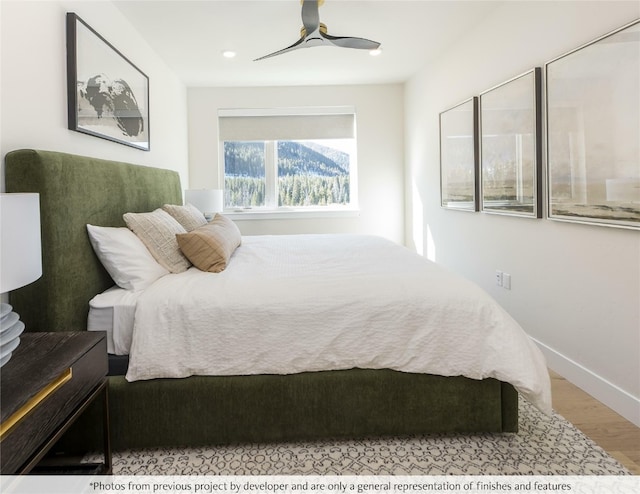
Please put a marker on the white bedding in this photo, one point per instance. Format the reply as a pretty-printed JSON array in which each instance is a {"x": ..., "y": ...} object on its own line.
[
  {"x": 288, "y": 304},
  {"x": 113, "y": 311}
]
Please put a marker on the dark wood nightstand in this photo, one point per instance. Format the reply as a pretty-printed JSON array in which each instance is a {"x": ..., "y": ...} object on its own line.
[{"x": 48, "y": 383}]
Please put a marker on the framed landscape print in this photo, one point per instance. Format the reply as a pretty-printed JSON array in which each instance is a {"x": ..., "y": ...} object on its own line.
[
  {"x": 593, "y": 124},
  {"x": 108, "y": 96},
  {"x": 459, "y": 156},
  {"x": 510, "y": 146}
]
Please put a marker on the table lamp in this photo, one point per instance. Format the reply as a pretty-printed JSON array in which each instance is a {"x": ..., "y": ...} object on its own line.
[
  {"x": 20, "y": 260},
  {"x": 208, "y": 201}
]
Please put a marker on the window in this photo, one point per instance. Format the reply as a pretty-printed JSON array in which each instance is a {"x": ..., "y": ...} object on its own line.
[{"x": 289, "y": 159}]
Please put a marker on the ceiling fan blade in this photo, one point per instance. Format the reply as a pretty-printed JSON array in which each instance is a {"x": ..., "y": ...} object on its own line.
[
  {"x": 310, "y": 16},
  {"x": 351, "y": 42},
  {"x": 295, "y": 46}
]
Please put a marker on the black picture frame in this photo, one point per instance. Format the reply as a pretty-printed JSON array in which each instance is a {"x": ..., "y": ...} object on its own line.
[
  {"x": 459, "y": 184},
  {"x": 593, "y": 123},
  {"x": 511, "y": 146},
  {"x": 107, "y": 95}
]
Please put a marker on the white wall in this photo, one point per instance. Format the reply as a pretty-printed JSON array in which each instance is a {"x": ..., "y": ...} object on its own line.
[
  {"x": 34, "y": 93},
  {"x": 379, "y": 120},
  {"x": 575, "y": 288}
]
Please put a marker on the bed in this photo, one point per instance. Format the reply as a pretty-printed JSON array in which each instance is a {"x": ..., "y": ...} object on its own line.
[{"x": 228, "y": 404}]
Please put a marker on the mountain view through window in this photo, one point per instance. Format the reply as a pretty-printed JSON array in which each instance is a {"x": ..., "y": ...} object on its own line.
[{"x": 310, "y": 173}]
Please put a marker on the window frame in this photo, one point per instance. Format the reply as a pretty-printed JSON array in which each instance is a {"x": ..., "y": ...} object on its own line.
[{"x": 271, "y": 209}]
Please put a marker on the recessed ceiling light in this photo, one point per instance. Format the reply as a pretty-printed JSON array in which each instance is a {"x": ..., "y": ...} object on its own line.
[
  {"x": 228, "y": 53},
  {"x": 376, "y": 52}
]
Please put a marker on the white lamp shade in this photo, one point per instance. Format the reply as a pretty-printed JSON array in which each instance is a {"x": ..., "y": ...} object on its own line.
[
  {"x": 20, "y": 248},
  {"x": 206, "y": 200}
]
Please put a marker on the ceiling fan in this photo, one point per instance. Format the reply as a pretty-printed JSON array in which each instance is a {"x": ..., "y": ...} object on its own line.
[{"x": 314, "y": 33}]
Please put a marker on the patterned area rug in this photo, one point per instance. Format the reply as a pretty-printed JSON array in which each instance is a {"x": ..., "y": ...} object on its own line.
[{"x": 544, "y": 446}]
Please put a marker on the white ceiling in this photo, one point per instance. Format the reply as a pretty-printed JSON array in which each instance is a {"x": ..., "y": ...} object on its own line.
[{"x": 191, "y": 35}]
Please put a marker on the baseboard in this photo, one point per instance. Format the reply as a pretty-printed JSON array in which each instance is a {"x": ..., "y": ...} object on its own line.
[{"x": 607, "y": 393}]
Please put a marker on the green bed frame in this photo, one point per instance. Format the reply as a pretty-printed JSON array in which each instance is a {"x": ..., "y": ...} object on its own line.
[{"x": 209, "y": 410}]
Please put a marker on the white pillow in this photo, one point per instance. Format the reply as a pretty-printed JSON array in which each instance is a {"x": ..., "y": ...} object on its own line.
[{"x": 125, "y": 257}]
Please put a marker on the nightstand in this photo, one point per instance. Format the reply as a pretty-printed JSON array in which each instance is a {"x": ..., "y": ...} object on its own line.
[{"x": 49, "y": 382}]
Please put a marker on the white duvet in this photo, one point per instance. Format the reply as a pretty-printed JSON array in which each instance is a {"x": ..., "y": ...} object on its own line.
[{"x": 296, "y": 303}]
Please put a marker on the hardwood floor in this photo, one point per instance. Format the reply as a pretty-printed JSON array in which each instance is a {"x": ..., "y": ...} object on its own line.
[{"x": 616, "y": 435}]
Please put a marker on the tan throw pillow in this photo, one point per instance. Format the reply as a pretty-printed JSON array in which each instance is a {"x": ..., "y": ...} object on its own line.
[
  {"x": 158, "y": 230},
  {"x": 188, "y": 215},
  {"x": 210, "y": 247}
]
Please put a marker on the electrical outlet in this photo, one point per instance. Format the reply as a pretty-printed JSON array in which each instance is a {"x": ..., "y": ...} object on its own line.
[
  {"x": 506, "y": 281},
  {"x": 499, "y": 278}
]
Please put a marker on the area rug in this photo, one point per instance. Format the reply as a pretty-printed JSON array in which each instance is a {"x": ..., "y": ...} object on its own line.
[{"x": 543, "y": 446}]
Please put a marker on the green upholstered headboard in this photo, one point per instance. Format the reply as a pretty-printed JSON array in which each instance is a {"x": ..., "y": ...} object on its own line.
[{"x": 76, "y": 190}]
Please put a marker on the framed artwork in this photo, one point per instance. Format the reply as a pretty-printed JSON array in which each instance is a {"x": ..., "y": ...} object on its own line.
[
  {"x": 511, "y": 146},
  {"x": 108, "y": 96},
  {"x": 459, "y": 156},
  {"x": 593, "y": 124}
]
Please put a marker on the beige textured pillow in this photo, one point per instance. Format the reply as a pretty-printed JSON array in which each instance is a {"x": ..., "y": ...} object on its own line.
[
  {"x": 158, "y": 230},
  {"x": 188, "y": 215},
  {"x": 210, "y": 247}
]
